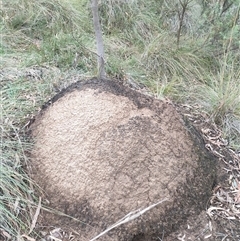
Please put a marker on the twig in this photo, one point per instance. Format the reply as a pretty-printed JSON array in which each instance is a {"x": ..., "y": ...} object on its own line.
[{"x": 129, "y": 217}]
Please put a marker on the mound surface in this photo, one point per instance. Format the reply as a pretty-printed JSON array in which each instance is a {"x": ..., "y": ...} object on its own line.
[{"x": 103, "y": 150}]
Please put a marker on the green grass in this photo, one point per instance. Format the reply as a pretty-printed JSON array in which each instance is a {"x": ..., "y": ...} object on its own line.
[
  {"x": 17, "y": 193},
  {"x": 54, "y": 42},
  {"x": 22, "y": 96},
  {"x": 220, "y": 97}
]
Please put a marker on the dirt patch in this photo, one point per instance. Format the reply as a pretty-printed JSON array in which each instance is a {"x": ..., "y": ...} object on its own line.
[{"x": 103, "y": 150}]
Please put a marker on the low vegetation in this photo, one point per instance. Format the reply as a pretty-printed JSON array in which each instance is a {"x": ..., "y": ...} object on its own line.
[{"x": 185, "y": 50}]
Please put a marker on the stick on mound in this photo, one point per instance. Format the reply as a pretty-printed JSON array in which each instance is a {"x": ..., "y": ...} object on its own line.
[{"x": 103, "y": 150}]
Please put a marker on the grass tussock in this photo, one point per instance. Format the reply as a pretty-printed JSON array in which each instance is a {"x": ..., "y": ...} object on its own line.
[
  {"x": 38, "y": 19},
  {"x": 163, "y": 57},
  {"x": 131, "y": 20},
  {"x": 53, "y": 32},
  {"x": 47, "y": 45},
  {"x": 220, "y": 97},
  {"x": 17, "y": 193},
  {"x": 23, "y": 92},
  {"x": 15, "y": 186}
]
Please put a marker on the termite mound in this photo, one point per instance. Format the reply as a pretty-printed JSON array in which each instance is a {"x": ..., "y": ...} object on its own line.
[{"x": 103, "y": 150}]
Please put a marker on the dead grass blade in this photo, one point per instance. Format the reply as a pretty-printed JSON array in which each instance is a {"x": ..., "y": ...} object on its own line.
[
  {"x": 5, "y": 234},
  {"x": 237, "y": 198},
  {"x": 28, "y": 238},
  {"x": 34, "y": 221},
  {"x": 129, "y": 217}
]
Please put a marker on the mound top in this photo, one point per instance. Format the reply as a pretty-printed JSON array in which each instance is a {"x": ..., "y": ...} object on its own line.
[{"x": 103, "y": 150}]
